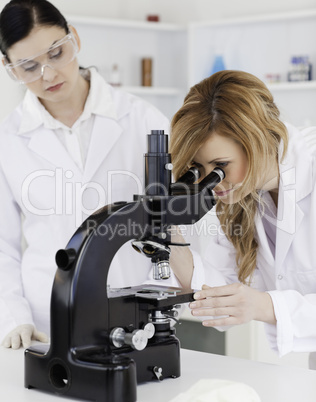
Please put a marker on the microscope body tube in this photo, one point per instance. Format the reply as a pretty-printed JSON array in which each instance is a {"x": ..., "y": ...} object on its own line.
[
  {"x": 157, "y": 184},
  {"x": 157, "y": 164}
]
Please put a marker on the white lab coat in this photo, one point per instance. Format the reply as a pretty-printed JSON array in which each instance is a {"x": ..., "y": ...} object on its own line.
[
  {"x": 40, "y": 181},
  {"x": 290, "y": 275}
]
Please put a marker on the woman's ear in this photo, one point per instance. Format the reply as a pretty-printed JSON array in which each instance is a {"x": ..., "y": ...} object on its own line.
[
  {"x": 5, "y": 60},
  {"x": 76, "y": 36}
]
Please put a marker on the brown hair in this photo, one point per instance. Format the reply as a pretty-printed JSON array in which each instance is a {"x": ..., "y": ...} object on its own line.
[
  {"x": 19, "y": 17},
  {"x": 239, "y": 106}
]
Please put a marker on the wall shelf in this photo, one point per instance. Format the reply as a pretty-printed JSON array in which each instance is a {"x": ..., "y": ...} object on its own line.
[
  {"x": 254, "y": 19},
  {"x": 261, "y": 45},
  {"x": 292, "y": 86},
  {"x": 124, "y": 43},
  {"x": 159, "y": 91},
  {"x": 183, "y": 55},
  {"x": 128, "y": 24}
]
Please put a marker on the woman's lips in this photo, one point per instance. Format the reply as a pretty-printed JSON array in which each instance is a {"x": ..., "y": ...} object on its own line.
[
  {"x": 222, "y": 193},
  {"x": 55, "y": 87}
]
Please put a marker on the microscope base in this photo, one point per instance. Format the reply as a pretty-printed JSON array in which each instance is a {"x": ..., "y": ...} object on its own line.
[
  {"x": 158, "y": 357},
  {"x": 94, "y": 375},
  {"x": 113, "y": 381}
]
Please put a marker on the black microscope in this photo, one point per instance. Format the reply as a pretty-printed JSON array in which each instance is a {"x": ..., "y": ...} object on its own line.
[{"x": 104, "y": 341}]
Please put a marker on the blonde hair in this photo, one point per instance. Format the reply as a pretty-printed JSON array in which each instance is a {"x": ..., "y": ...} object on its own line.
[{"x": 239, "y": 106}]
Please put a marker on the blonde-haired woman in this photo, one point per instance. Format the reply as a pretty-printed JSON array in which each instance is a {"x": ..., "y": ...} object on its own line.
[{"x": 261, "y": 263}]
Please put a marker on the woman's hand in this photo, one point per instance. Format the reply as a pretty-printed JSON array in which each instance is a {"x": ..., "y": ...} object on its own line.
[
  {"x": 232, "y": 304},
  {"x": 23, "y": 336}
]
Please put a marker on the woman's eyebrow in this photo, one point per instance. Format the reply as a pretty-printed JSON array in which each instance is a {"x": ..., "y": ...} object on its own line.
[{"x": 224, "y": 158}]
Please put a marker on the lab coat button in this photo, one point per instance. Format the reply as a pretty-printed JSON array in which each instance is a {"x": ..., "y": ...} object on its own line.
[{"x": 280, "y": 277}]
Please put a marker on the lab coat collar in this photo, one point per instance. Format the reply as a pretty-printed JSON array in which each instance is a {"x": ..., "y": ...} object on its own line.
[
  {"x": 289, "y": 219},
  {"x": 296, "y": 168},
  {"x": 99, "y": 102},
  {"x": 296, "y": 182},
  {"x": 262, "y": 237},
  {"x": 109, "y": 106},
  {"x": 100, "y": 99},
  {"x": 105, "y": 135},
  {"x": 31, "y": 113},
  {"x": 45, "y": 143}
]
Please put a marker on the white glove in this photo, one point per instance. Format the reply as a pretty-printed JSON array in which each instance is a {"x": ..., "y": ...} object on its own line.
[{"x": 23, "y": 335}]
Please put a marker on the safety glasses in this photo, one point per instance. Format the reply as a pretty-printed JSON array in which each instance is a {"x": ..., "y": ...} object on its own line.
[{"x": 55, "y": 57}]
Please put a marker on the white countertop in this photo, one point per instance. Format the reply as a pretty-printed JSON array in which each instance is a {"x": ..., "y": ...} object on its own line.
[{"x": 272, "y": 383}]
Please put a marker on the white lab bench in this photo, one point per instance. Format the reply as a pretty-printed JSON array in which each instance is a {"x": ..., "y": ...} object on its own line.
[{"x": 272, "y": 383}]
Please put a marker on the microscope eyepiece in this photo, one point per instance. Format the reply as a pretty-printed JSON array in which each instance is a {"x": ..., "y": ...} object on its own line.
[
  {"x": 158, "y": 132},
  {"x": 157, "y": 142},
  {"x": 191, "y": 176},
  {"x": 187, "y": 183},
  {"x": 212, "y": 179}
]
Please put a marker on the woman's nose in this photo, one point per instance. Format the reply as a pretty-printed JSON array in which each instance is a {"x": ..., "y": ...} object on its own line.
[
  {"x": 48, "y": 73},
  {"x": 220, "y": 186}
]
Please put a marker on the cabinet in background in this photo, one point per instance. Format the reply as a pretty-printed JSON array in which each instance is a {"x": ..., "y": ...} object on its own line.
[
  {"x": 260, "y": 45},
  {"x": 183, "y": 56},
  {"x": 124, "y": 43}
]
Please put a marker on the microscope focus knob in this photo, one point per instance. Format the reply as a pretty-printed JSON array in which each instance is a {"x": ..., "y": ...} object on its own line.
[
  {"x": 149, "y": 328},
  {"x": 137, "y": 339}
]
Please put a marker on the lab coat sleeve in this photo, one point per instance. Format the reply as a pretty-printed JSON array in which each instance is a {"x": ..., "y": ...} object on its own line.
[
  {"x": 14, "y": 308},
  {"x": 295, "y": 312},
  {"x": 215, "y": 265},
  {"x": 292, "y": 311}
]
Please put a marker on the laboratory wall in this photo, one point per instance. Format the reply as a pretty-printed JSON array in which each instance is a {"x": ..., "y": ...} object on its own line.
[
  {"x": 179, "y": 11},
  {"x": 184, "y": 11},
  {"x": 176, "y": 11}
]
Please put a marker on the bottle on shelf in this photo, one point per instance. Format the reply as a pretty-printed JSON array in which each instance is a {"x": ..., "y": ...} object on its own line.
[
  {"x": 147, "y": 63},
  {"x": 300, "y": 69},
  {"x": 218, "y": 64},
  {"x": 115, "y": 76}
]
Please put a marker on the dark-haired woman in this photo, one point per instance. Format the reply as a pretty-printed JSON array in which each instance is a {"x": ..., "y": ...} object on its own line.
[{"x": 73, "y": 145}]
